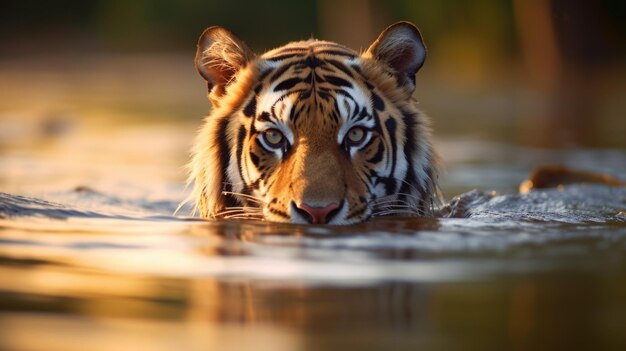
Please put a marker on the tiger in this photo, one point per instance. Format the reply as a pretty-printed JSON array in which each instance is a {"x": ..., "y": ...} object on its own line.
[{"x": 313, "y": 132}]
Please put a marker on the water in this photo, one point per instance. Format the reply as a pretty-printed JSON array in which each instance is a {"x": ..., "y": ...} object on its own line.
[
  {"x": 77, "y": 278},
  {"x": 91, "y": 257}
]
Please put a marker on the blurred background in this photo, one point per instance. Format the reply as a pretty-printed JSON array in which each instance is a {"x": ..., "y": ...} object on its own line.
[
  {"x": 99, "y": 104},
  {"x": 84, "y": 75}
]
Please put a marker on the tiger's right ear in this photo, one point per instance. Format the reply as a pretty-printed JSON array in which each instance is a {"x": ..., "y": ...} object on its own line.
[
  {"x": 402, "y": 48},
  {"x": 219, "y": 57}
]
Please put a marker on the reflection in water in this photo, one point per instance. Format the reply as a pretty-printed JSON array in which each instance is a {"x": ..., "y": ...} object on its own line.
[
  {"x": 408, "y": 282},
  {"x": 101, "y": 264},
  {"x": 569, "y": 310}
]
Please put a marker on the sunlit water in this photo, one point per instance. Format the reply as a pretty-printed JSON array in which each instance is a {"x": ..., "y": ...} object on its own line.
[{"x": 91, "y": 257}]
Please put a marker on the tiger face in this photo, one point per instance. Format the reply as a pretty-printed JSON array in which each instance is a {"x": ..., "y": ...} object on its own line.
[{"x": 313, "y": 132}]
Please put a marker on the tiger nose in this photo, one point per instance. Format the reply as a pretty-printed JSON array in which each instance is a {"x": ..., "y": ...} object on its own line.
[{"x": 317, "y": 215}]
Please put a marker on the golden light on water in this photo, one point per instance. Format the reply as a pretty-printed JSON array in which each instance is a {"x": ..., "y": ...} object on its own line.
[
  {"x": 99, "y": 106},
  {"x": 59, "y": 333}
]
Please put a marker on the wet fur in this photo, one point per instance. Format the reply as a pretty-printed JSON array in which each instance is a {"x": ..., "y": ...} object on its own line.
[{"x": 234, "y": 176}]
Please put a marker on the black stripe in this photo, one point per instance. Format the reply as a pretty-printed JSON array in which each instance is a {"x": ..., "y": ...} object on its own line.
[
  {"x": 390, "y": 124},
  {"x": 338, "y": 81},
  {"x": 409, "y": 148},
  {"x": 335, "y": 112},
  {"x": 305, "y": 94},
  {"x": 378, "y": 156},
  {"x": 312, "y": 78},
  {"x": 223, "y": 155},
  {"x": 340, "y": 66},
  {"x": 255, "y": 184},
  {"x": 312, "y": 61},
  {"x": 379, "y": 104},
  {"x": 255, "y": 159},
  {"x": 279, "y": 72},
  {"x": 356, "y": 110},
  {"x": 377, "y": 126},
  {"x": 241, "y": 136},
  {"x": 258, "y": 88},
  {"x": 323, "y": 95},
  {"x": 265, "y": 73},
  {"x": 250, "y": 109},
  {"x": 287, "y": 84},
  {"x": 296, "y": 112},
  {"x": 335, "y": 116},
  {"x": 264, "y": 117},
  {"x": 357, "y": 212},
  {"x": 389, "y": 183},
  {"x": 273, "y": 114},
  {"x": 363, "y": 115},
  {"x": 278, "y": 212},
  {"x": 223, "y": 150},
  {"x": 411, "y": 179},
  {"x": 346, "y": 94}
]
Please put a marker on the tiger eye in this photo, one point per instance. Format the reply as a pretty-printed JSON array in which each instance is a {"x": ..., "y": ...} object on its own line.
[
  {"x": 356, "y": 135},
  {"x": 273, "y": 137}
]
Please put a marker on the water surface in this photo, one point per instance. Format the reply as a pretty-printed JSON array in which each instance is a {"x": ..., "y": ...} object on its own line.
[{"x": 91, "y": 257}]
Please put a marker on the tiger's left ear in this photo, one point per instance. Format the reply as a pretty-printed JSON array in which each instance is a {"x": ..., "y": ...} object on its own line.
[{"x": 400, "y": 47}]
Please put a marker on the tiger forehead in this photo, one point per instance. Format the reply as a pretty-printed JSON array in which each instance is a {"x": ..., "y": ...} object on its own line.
[
  {"x": 309, "y": 46},
  {"x": 319, "y": 64},
  {"x": 310, "y": 79}
]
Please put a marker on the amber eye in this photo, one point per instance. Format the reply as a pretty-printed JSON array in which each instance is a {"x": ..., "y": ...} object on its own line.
[
  {"x": 355, "y": 136},
  {"x": 274, "y": 138}
]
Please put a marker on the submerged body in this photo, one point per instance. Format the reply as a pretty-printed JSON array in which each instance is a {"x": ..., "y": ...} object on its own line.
[{"x": 313, "y": 132}]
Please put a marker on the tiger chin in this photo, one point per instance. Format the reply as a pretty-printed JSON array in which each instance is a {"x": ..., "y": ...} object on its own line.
[{"x": 313, "y": 132}]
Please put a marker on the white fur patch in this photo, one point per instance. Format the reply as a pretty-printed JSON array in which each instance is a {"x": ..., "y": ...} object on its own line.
[{"x": 347, "y": 107}]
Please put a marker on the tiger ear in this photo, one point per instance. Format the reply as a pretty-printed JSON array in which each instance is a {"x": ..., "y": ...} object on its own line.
[
  {"x": 400, "y": 47},
  {"x": 219, "y": 57}
]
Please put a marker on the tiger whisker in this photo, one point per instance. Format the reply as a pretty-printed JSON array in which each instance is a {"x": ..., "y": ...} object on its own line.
[
  {"x": 399, "y": 208},
  {"x": 242, "y": 210},
  {"x": 396, "y": 195},
  {"x": 240, "y": 216},
  {"x": 182, "y": 204},
  {"x": 396, "y": 213},
  {"x": 234, "y": 183},
  {"x": 392, "y": 204},
  {"x": 246, "y": 196},
  {"x": 409, "y": 195},
  {"x": 435, "y": 196},
  {"x": 244, "y": 218},
  {"x": 386, "y": 209},
  {"x": 237, "y": 211},
  {"x": 395, "y": 201},
  {"x": 393, "y": 197},
  {"x": 413, "y": 188}
]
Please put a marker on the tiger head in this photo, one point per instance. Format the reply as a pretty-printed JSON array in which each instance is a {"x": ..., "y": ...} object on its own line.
[{"x": 313, "y": 132}]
